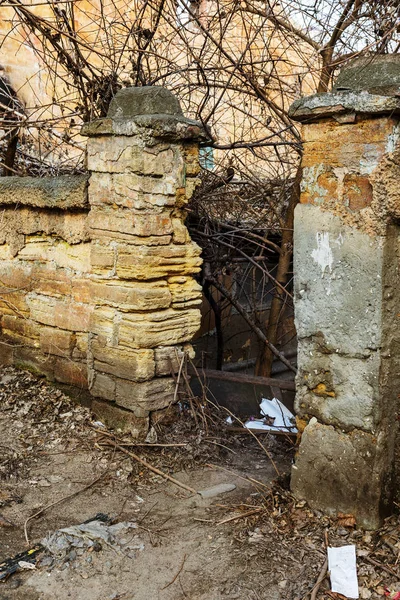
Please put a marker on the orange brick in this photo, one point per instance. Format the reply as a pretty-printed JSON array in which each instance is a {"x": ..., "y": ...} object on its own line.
[
  {"x": 20, "y": 329},
  {"x": 13, "y": 303},
  {"x": 82, "y": 290},
  {"x": 56, "y": 341},
  {"x": 51, "y": 282},
  {"x": 57, "y": 313},
  {"x": 71, "y": 372},
  {"x": 15, "y": 276},
  {"x": 102, "y": 258}
]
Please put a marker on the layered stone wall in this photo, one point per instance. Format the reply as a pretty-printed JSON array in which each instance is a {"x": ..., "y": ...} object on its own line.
[
  {"x": 347, "y": 296},
  {"x": 96, "y": 276}
]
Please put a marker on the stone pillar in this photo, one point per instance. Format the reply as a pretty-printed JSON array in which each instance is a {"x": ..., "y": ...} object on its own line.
[
  {"x": 143, "y": 160},
  {"x": 347, "y": 293}
]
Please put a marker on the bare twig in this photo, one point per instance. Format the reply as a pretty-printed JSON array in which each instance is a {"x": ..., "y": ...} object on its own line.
[
  {"x": 242, "y": 516},
  {"x": 154, "y": 469},
  {"x": 321, "y": 577},
  {"x": 374, "y": 562},
  {"x": 176, "y": 576}
]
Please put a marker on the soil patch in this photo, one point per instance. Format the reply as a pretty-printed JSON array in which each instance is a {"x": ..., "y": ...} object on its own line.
[{"x": 253, "y": 542}]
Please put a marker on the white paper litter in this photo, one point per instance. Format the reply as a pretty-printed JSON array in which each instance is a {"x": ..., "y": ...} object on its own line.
[
  {"x": 343, "y": 570},
  {"x": 277, "y": 413}
]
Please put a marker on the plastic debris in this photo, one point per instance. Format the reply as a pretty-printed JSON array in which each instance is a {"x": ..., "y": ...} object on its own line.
[
  {"x": 91, "y": 536},
  {"x": 343, "y": 570},
  {"x": 20, "y": 562},
  {"x": 392, "y": 595},
  {"x": 276, "y": 417}
]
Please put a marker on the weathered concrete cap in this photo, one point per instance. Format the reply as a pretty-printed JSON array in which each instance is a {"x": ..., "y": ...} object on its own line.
[
  {"x": 152, "y": 111},
  {"x": 149, "y": 100},
  {"x": 367, "y": 85},
  {"x": 343, "y": 106},
  {"x": 65, "y": 192},
  {"x": 380, "y": 72}
]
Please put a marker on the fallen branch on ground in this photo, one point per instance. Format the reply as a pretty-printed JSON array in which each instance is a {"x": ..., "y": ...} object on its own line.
[
  {"x": 242, "y": 516},
  {"x": 176, "y": 576},
  {"x": 133, "y": 443},
  {"x": 320, "y": 579},
  {"x": 381, "y": 566},
  {"x": 154, "y": 469}
]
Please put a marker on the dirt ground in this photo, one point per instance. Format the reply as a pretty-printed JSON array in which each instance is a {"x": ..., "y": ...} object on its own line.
[{"x": 254, "y": 542}]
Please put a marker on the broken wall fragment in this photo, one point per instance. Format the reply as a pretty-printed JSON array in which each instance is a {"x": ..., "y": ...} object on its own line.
[
  {"x": 347, "y": 300},
  {"x": 97, "y": 284}
]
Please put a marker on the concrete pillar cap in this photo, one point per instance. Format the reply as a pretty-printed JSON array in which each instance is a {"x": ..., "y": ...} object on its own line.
[
  {"x": 367, "y": 85},
  {"x": 147, "y": 100},
  {"x": 150, "y": 111}
]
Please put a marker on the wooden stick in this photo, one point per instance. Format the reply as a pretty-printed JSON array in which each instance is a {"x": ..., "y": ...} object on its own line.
[
  {"x": 242, "y": 516},
  {"x": 179, "y": 374},
  {"x": 218, "y": 444},
  {"x": 381, "y": 566},
  {"x": 176, "y": 576},
  {"x": 155, "y": 470},
  {"x": 320, "y": 579},
  {"x": 115, "y": 438},
  {"x": 255, "y": 437},
  {"x": 133, "y": 445},
  {"x": 42, "y": 510}
]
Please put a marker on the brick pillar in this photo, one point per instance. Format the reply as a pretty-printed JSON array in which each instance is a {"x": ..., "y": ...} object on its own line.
[
  {"x": 143, "y": 161},
  {"x": 347, "y": 293}
]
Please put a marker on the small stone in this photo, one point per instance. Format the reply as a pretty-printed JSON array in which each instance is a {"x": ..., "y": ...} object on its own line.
[
  {"x": 55, "y": 478},
  {"x": 72, "y": 555},
  {"x": 15, "y": 583},
  {"x": 43, "y": 483},
  {"x": 222, "y": 488}
]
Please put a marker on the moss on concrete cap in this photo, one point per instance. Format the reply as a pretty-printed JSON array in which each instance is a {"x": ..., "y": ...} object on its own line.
[
  {"x": 375, "y": 71},
  {"x": 66, "y": 192},
  {"x": 148, "y": 100}
]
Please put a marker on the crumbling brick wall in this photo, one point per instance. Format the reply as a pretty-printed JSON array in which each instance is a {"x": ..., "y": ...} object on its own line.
[
  {"x": 97, "y": 286},
  {"x": 45, "y": 265}
]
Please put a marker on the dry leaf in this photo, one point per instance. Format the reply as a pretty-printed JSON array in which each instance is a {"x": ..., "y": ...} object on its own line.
[{"x": 346, "y": 520}]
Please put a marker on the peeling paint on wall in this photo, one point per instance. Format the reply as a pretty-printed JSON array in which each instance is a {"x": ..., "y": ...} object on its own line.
[
  {"x": 322, "y": 254},
  {"x": 393, "y": 139}
]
